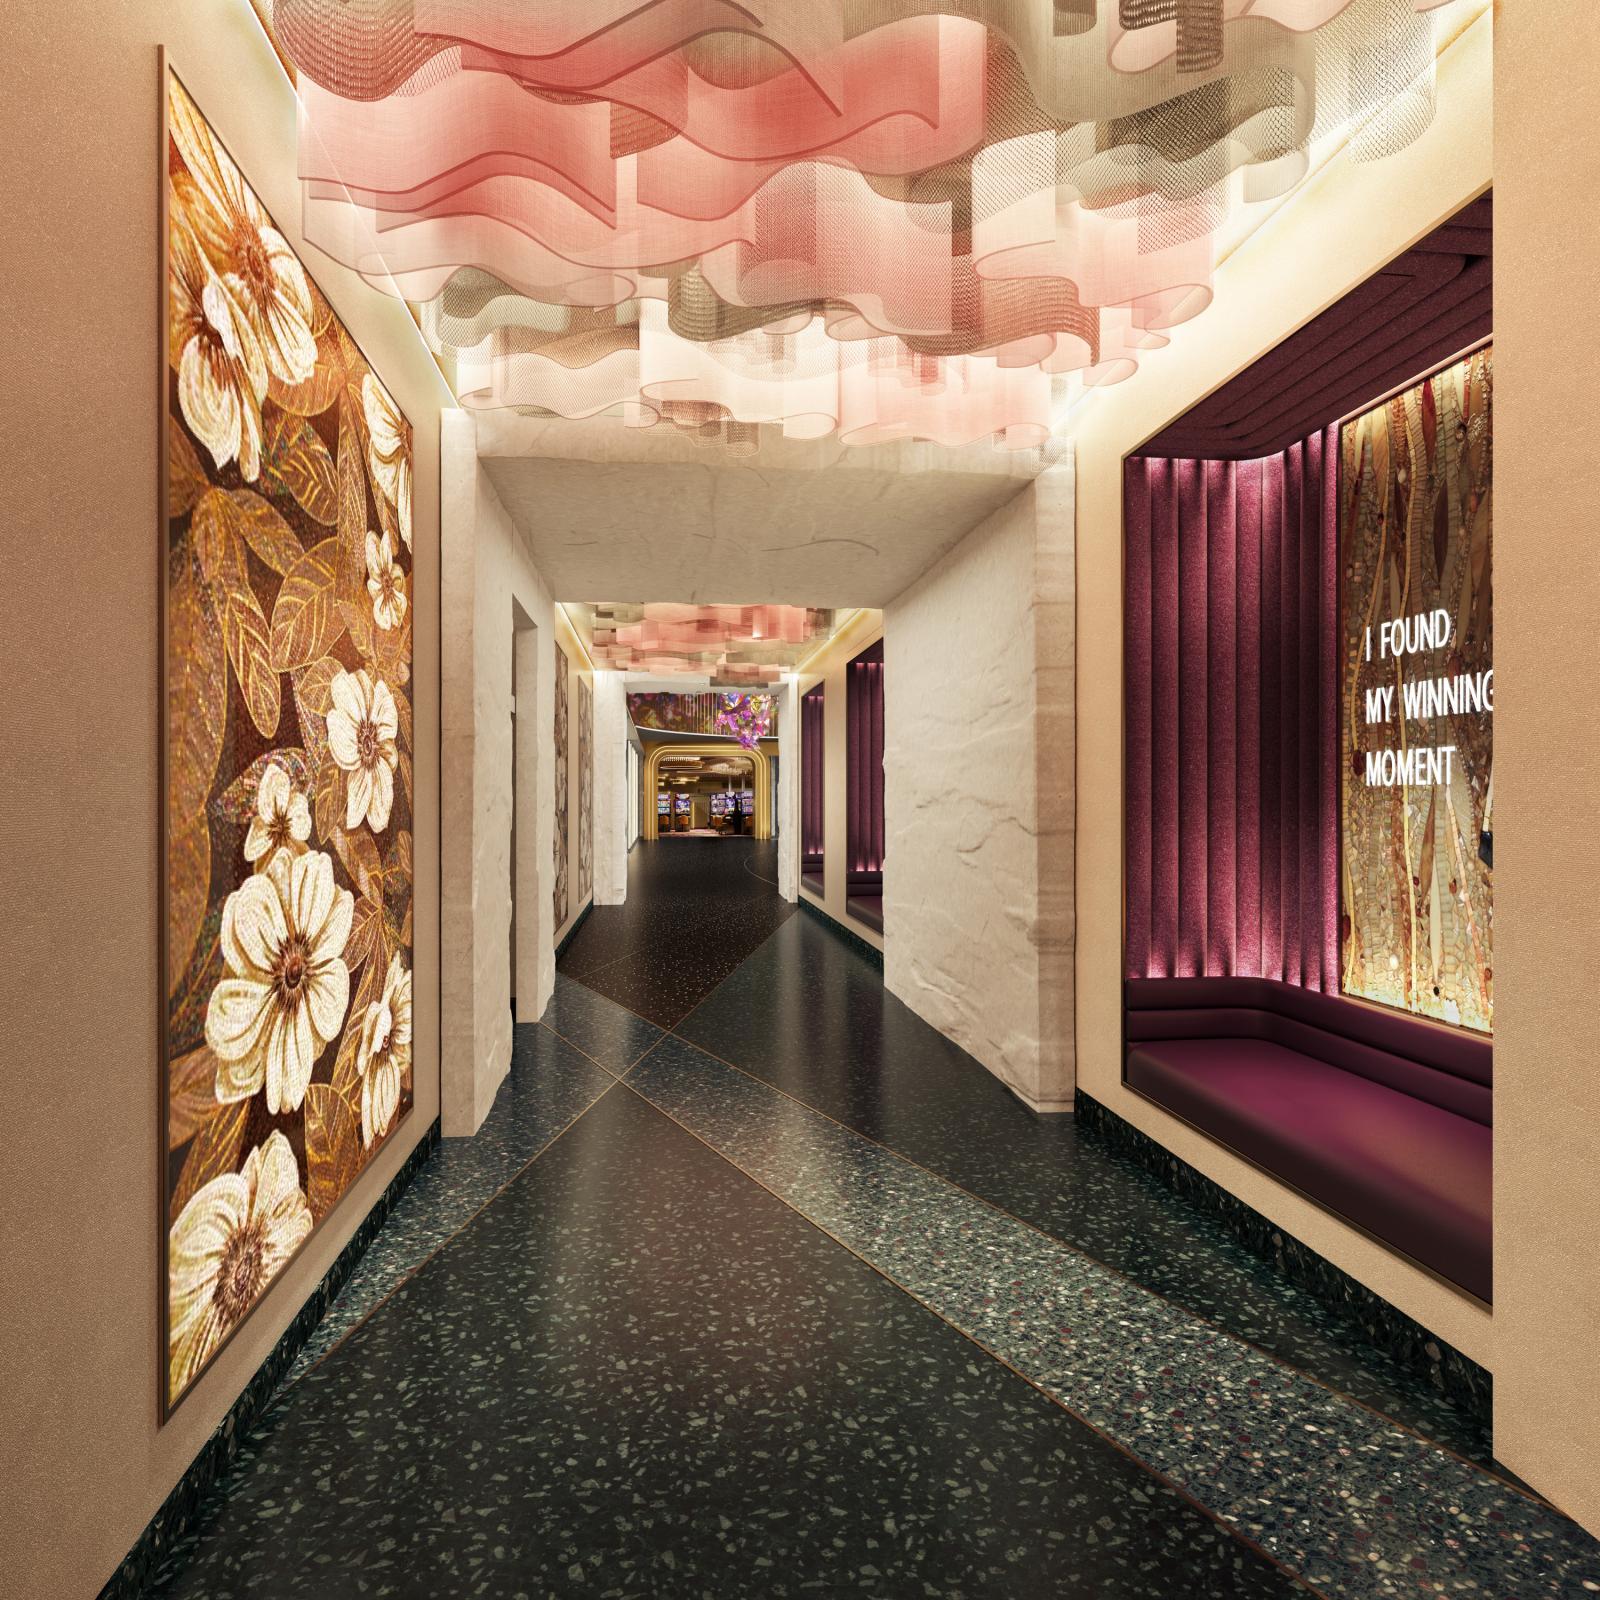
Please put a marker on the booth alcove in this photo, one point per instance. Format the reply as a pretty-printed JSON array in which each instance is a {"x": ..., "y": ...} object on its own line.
[
  {"x": 813, "y": 758},
  {"x": 1232, "y": 1016},
  {"x": 864, "y": 787},
  {"x": 1382, "y": 1118}
]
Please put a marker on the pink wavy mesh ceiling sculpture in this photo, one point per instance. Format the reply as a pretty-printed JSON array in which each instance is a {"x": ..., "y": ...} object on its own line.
[
  {"x": 732, "y": 645},
  {"x": 882, "y": 218}
]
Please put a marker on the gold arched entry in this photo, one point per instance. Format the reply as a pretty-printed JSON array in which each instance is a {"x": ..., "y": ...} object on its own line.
[{"x": 758, "y": 760}]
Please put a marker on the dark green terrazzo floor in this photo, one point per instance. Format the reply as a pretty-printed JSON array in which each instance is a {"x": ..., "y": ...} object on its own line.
[{"x": 780, "y": 1294}]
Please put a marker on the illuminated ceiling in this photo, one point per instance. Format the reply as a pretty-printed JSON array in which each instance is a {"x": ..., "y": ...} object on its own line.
[
  {"x": 878, "y": 220},
  {"x": 733, "y": 646},
  {"x": 717, "y": 772}
]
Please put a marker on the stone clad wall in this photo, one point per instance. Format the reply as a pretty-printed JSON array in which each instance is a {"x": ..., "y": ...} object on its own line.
[
  {"x": 610, "y": 789},
  {"x": 495, "y": 603},
  {"x": 978, "y": 793}
]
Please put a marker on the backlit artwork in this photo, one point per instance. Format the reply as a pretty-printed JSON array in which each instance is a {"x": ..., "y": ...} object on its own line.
[
  {"x": 749, "y": 718},
  {"x": 1417, "y": 813},
  {"x": 288, "y": 754},
  {"x": 559, "y": 892}
]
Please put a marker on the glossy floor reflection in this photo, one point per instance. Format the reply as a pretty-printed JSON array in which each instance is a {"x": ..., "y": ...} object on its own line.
[
  {"x": 810, "y": 1015},
  {"x": 695, "y": 909},
  {"x": 636, "y": 1374},
  {"x": 773, "y": 1291}
]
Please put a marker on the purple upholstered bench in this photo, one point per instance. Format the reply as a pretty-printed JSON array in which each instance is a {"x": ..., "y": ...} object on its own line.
[{"x": 1382, "y": 1118}]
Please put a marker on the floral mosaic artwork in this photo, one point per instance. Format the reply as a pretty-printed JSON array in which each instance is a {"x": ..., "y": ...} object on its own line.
[
  {"x": 749, "y": 718},
  {"x": 1417, "y": 816},
  {"x": 745, "y": 717},
  {"x": 288, "y": 754}
]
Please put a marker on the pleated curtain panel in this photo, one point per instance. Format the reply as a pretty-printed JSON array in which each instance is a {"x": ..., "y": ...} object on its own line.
[{"x": 1231, "y": 779}]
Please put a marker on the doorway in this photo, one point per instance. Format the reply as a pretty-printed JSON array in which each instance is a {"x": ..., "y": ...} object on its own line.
[
  {"x": 528, "y": 883},
  {"x": 706, "y": 796}
]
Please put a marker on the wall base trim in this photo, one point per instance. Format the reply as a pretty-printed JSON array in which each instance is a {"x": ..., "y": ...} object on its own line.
[
  {"x": 1044, "y": 1108},
  {"x": 144, "y": 1564},
  {"x": 572, "y": 932},
  {"x": 1466, "y": 1385},
  {"x": 850, "y": 937}
]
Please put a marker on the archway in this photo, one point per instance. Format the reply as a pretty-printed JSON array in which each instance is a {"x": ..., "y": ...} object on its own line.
[{"x": 758, "y": 760}]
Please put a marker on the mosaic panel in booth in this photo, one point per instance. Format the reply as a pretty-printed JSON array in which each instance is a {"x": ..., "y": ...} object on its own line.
[
  {"x": 1417, "y": 637},
  {"x": 287, "y": 881},
  {"x": 585, "y": 790},
  {"x": 560, "y": 891}
]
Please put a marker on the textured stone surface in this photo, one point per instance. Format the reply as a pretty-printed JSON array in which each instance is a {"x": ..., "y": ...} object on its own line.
[
  {"x": 867, "y": 1061},
  {"x": 1354, "y": 1505},
  {"x": 801, "y": 522},
  {"x": 977, "y": 793},
  {"x": 696, "y": 908},
  {"x": 631, "y": 1356},
  {"x": 636, "y": 1374},
  {"x": 610, "y": 789},
  {"x": 551, "y": 1083},
  {"x": 491, "y": 593},
  {"x": 787, "y": 801},
  {"x": 1055, "y": 767}
]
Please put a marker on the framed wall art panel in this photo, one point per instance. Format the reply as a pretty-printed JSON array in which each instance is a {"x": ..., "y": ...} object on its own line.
[
  {"x": 286, "y": 935},
  {"x": 1416, "y": 567},
  {"x": 562, "y": 734}
]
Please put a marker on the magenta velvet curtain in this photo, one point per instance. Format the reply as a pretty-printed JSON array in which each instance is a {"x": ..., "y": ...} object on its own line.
[
  {"x": 1231, "y": 716},
  {"x": 864, "y": 775},
  {"x": 812, "y": 758}
]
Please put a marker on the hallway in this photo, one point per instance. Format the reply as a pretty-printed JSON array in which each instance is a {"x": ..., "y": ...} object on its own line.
[
  {"x": 713, "y": 1305},
  {"x": 767, "y": 735}
]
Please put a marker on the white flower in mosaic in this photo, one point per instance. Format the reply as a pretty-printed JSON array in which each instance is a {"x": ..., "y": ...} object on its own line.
[
  {"x": 222, "y": 369},
  {"x": 282, "y": 820},
  {"x": 385, "y": 1053},
  {"x": 363, "y": 725},
  {"x": 388, "y": 450},
  {"x": 287, "y": 989},
  {"x": 228, "y": 1244},
  {"x": 386, "y": 583},
  {"x": 256, "y": 264}
]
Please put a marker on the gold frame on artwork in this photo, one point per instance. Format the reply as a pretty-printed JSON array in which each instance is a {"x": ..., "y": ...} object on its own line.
[{"x": 167, "y": 73}]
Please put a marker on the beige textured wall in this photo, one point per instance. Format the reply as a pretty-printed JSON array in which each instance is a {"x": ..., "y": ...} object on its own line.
[
  {"x": 1547, "y": 792},
  {"x": 1055, "y": 712},
  {"x": 786, "y": 795},
  {"x": 828, "y": 668},
  {"x": 611, "y": 738},
  {"x": 1349, "y": 220},
  {"x": 493, "y": 598},
  {"x": 80, "y": 416},
  {"x": 979, "y": 821}
]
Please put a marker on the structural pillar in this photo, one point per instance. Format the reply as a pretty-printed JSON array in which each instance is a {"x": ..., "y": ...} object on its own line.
[
  {"x": 786, "y": 816},
  {"x": 610, "y": 789}
]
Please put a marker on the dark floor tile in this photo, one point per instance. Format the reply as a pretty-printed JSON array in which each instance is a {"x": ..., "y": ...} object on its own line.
[
  {"x": 664, "y": 994},
  {"x": 637, "y": 1374},
  {"x": 695, "y": 909},
  {"x": 1357, "y": 1506},
  {"x": 810, "y": 1015},
  {"x": 600, "y": 1028},
  {"x": 549, "y": 1085}
]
